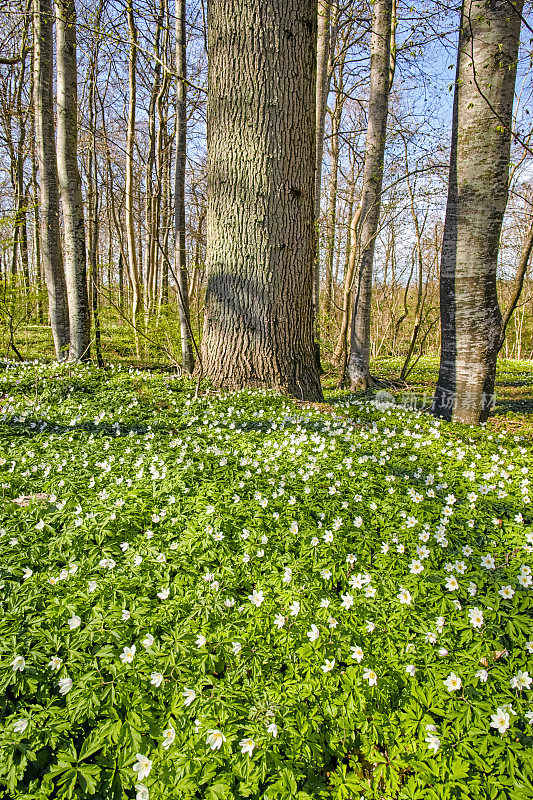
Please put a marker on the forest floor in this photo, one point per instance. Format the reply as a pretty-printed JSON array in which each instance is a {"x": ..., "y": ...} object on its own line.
[{"x": 242, "y": 596}]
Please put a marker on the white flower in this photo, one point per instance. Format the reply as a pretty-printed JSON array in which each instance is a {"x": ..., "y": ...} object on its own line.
[
  {"x": 488, "y": 562},
  {"x": 143, "y": 766},
  {"x": 126, "y": 615},
  {"x": 313, "y": 634},
  {"x": 358, "y": 521},
  {"x": 410, "y": 669},
  {"x": 18, "y": 663},
  {"x": 163, "y": 594},
  {"x": 127, "y": 654},
  {"x": 357, "y": 653},
  {"x": 273, "y": 729},
  {"x": 210, "y": 510},
  {"x": 256, "y": 598},
  {"x": 472, "y": 589},
  {"x": 142, "y": 792},
  {"x": 482, "y": 675},
  {"x": 451, "y": 583},
  {"x": 148, "y": 640},
  {"x": 525, "y": 579},
  {"x": 200, "y": 640},
  {"x": 370, "y": 591},
  {"x": 279, "y": 621},
  {"x": 500, "y": 720},
  {"x": 370, "y": 626},
  {"x": 452, "y": 682},
  {"x": 156, "y": 679},
  {"x": 314, "y": 541},
  {"x": 65, "y": 685},
  {"x": 137, "y": 560},
  {"x": 521, "y": 680},
  {"x": 328, "y": 537},
  {"x": 347, "y": 601},
  {"x": 74, "y": 622},
  {"x": 370, "y": 676},
  {"x": 91, "y": 586},
  {"x": 189, "y": 695},
  {"x": 416, "y": 567},
  {"x": 247, "y": 746},
  {"x": 168, "y": 737},
  {"x": 328, "y": 666},
  {"x": 325, "y": 574},
  {"x": 40, "y": 525},
  {"x": 293, "y": 527},
  {"x": 404, "y": 597},
  {"x": 55, "y": 663},
  {"x": 430, "y": 637},
  {"x": 294, "y": 608},
  {"x": 21, "y": 725},
  {"x": 27, "y": 573},
  {"x": 433, "y": 741},
  {"x": 439, "y": 624},
  {"x": 236, "y": 647},
  {"x": 475, "y": 615},
  {"x": 506, "y": 592},
  {"x": 124, "y": 546},
  {"x": 529, "y": 647},
  {"x": 215, "y": 739}
]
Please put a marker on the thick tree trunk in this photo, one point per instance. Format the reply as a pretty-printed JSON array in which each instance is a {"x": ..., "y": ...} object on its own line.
[
  {"x": 322, "y": 91},
  {"x": 70, "y": 182},
  {"x": 258, "y": 327},
  {"x": 48, "y": 182},
  {"x": 179, "y": 189},
  {"x": 359, "y": 358},
  {"x": 477, "y": 197}
]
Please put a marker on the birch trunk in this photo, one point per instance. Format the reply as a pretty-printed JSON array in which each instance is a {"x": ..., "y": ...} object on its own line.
[
  {"x": 70, "y": 182},
  {"x": 261, "y": 119},
  {"x": 48, "y": 182},
  {"x": 380, "y": 66},
  {"x": 477, "y": 196}
]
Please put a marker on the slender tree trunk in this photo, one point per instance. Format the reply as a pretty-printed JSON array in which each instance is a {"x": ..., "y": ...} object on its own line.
[
  {"x": 70, "y": 182},
  {"x": 341, "y": 348},
  {"x": 93, "y": 201},
  {"x": 322, "y": 91},
  {"x": 332, "y": 212},
  {"x": 359, "y": 358},
  {"x": 258, "y": 328},
  {"x": 518, "y": 284},
  {"x": 130, "y": 142},
  {"x": 48, "y": 181},
  {"x": 471, "y": 320},
  {"x": 179, "y": 190}
]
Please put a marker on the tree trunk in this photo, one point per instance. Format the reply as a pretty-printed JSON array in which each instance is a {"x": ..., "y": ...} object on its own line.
[
  {"x": 359, "y": 358},
  {"x": 258, "y": 328},
  {"x": 322, "y": 91},
  {"x": 477, "y": 197},
  {"x": 179, "y": 190},
  {"x": 332, "y": 211},
  {"x": 48, "y": 181},
  {"x": 130, "y": 141},
  {"x": 70, "y": 182}
]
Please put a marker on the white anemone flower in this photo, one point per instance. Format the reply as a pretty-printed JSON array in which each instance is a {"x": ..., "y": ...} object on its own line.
[
  {"x": 215, "y": 739},
  {"x": 143, "y": 766}
]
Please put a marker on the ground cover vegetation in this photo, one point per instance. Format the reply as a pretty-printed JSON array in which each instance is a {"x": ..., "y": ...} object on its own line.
[{"x": 244, "y": 596}]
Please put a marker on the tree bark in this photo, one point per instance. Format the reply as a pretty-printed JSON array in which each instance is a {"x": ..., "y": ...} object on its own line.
[
  {"x": 70, "y": 182},
  {"x": 179, "y": 189},
  {"x": 48, "y": 181},
  {"x": 133, "y": 271},
  {"x": 359, "y": 358},
  {"x": 477, "y": 196},
  {"x": 258, "y": 328}
]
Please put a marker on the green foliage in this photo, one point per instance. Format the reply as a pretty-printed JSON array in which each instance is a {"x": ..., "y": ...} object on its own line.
[{"x": 344, "y": 570}]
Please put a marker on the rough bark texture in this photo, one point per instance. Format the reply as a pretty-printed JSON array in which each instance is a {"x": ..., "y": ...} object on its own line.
[
  {"x": 322, "y": 91},
  {"x": 48, "y": 183},
  {"x": 261, "y": 171},
  {"x": 179, "y": 192},
  {"x": 359, "y": 358},
  {"x": 70, "y": 182},
  {"x": 477, "y": 196}
]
